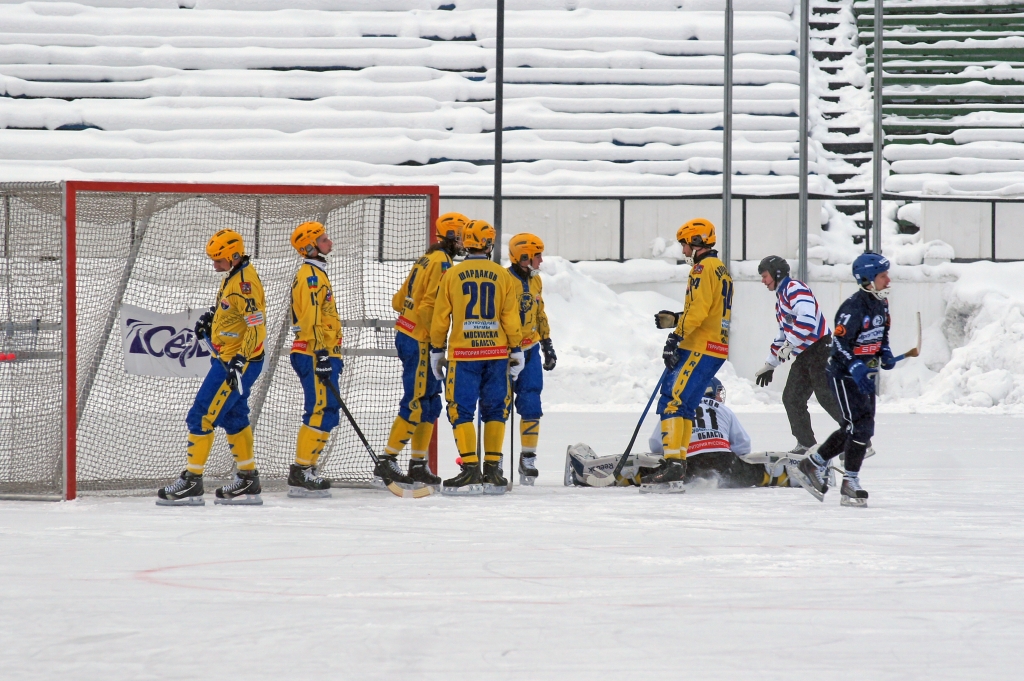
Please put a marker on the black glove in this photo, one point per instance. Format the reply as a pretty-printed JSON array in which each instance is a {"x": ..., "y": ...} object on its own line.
[
  {"x": 204, "y": 324},
  {"x": 763, "y": 376},
  {"x": 235, "y": 368},
  {"x": 671, "y": 352},
  {"x": 666, "y": 319},
  {"x": 550, "y": 359},
  {"x": 323, "y": 368}
]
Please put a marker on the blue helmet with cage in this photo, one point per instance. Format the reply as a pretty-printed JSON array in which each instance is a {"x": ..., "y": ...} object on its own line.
[
  {"x": 715, "y": 390},
  {"x": 866, "y": 267}
]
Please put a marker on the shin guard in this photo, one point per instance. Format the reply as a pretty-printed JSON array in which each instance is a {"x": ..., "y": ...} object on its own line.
[
  {"x": 401, "y": 431},
  {"x": 465, "y": 442},
  {"x": 199, "y": 447},
  {"x": 420, "y": 442},
  {"x": 494, "y": 436},
  {"x": 309, "y": 444},
  {"x": 529, "y": 432},
  {"x": 241, "y": 445}
]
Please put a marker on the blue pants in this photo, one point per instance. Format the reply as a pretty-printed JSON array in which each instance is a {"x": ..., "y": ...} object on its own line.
[
  {"x": 421, "y": 399},
  {"x": 217, "y": 405},
  {"x": 483, "y": 380},
  {"x": 529, "y": 384},
  {"x": 685, "y": 385},
  {"x": 319, "y": 407},
  {"x": 857, "y": 408}
]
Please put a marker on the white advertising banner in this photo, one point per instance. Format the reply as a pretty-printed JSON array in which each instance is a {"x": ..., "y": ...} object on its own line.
[{"x": 157, "y": 344}]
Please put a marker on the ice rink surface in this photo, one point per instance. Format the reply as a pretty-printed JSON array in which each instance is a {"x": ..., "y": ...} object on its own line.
[{"x": 548, "y": 582}]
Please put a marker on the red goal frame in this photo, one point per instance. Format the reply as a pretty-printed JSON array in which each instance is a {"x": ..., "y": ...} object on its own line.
[{"x": 71, "y": 189}]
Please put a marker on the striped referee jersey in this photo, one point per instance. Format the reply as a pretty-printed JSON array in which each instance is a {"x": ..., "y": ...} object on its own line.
[{"x": 800, "y": 319}]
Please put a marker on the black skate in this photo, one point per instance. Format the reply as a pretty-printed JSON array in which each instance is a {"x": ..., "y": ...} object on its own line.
[
  {"x": 468, "y": 482},
  {"x": 388, "y": 471},
  {"x": 421, "y": 476},
  {"x": 852, "y": 494},
  {"x": 528, "y": 469},
  {"x": 494, "y": 482},
  {"x": 304, "y": 482},
  {"x": 187, "y": 490},
  {"x": 665, "y": 479},
  {"x": 811, "y": 477},
  {"x": 244, "y": 490}
]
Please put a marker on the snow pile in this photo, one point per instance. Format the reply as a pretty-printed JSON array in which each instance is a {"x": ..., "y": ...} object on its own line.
[
  {"x": 975, "y": 356},
  {"x": 609, "y": 351}
]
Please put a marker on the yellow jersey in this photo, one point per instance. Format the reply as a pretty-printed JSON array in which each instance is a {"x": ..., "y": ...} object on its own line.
[
  {"x": 531, "y": 307},
  {"x": 478, "y": 301},
  {"x": 315, "y": 318},
  {"x": 239, "y": 325},
  {"x": 414, "y": 301},
  {"x": 704, "y": 323}
]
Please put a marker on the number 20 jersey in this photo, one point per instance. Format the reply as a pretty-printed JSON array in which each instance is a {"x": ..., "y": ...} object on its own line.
[{"x": 477, "y": 300}]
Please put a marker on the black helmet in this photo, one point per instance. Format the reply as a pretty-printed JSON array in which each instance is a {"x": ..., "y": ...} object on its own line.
[{"x": 775, "y": 266}]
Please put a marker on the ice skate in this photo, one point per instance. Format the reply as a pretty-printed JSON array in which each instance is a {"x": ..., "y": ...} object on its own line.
[
  {"x": 187, "y": 490},
  {"x": 244, "y": 490},
  {"x": 304, "y": 482},
  {"x": 466, "y": 483},
  {"x": 798, "y": 452},
  {"x": 528, "y": 469},
  {"x": 665, "y": 479},
  {"x": 811, "y": 477},
  {"x": 421, "y": 476},
  {"x": 852, "y": 494},
  {"x": 494, "y": 482},
  {"x": 387, "y": 470}
]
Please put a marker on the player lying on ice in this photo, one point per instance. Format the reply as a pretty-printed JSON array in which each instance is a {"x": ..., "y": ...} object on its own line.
[{"x": 716, "y": 453}]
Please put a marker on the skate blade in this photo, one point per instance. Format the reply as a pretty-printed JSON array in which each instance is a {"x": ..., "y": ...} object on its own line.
[
  {"x": 853, "y": 502},
  {"x": 494, "y": 490},
  {"x": 805, "y": 482},
  {"x": 241, "y": 500},
  {"x": 416, "y": 486},
  {"x": 464, "y": 491},
  {"x": 303, "y": 493},
  {"x": 674, "y": 487},
  {"x": 527, "y": 480},
  {"x": 186, "y": 501}
]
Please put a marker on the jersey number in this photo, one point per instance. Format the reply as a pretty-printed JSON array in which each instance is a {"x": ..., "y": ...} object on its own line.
[
  {"x": 484, "y": 295},
  {"x": 712, "y": 416},
  {"x": 726, "y": 295}
]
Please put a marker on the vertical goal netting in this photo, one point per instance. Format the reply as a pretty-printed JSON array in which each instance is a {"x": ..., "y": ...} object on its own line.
[{"x": 139, "y": 247}]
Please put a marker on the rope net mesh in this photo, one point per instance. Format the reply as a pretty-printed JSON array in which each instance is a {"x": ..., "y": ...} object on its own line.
[{"x": 148, "y": 250}]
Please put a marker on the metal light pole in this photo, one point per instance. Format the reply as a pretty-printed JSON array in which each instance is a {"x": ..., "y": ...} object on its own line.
[
  {"x": 876, "y": 220},
  {"x": 725, "y": 248},
  {"x": 805, "y": 41},
  {"x": 499, "y": 88}
]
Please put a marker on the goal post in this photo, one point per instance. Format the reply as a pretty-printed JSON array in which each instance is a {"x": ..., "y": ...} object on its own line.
[{"x": 121, "y": 273}]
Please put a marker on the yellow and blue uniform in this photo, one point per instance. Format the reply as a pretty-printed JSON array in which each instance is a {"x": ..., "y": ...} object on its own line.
[
  {"x": 477, "y": 300},
  {"x": 421, "y": 397},
  {"x": 704, "y": 329},
  {"x": 530, "y": 382},
  {"x": 238, "y": 328},
  {"x": 317, "y": 327}
]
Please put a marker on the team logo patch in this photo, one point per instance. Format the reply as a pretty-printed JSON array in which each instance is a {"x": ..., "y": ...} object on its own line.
[
  {"x": 225, "y": 304},
  {"x": 445, "y": 266},
  {"x": 877, "y": 321},
  {"x": 329, "y": 297},
  {"x": 313, "y": 281},
  {"x": 697, "y": 269},
  {"x": 840, "y": 330},
  {"x": 867, "y": 322},
  {"x": 246, "y": 287},
  {"x": 254, "y": 319}
]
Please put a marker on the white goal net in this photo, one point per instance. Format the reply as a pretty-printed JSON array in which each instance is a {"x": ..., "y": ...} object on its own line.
[{"x": 142, "y": 245}]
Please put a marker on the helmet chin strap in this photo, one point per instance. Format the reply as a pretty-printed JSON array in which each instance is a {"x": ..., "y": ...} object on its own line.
[{"x": 881, "y": 295}]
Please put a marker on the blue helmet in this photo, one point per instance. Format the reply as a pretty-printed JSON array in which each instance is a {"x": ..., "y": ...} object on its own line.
[
  {"x": 867, "y": 266},
  {"x": 715, "y": 390}
]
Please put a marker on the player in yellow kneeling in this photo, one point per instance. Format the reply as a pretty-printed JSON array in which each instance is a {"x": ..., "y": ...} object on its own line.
[
  {"x": 315, "y": 357},
  {"x": 421, "y": 399},
  {"x": 234, "y": 328},
  {"x": 477, "y": 300},
  {"x": 525, "y": 254},
  {"x": 694, "y": 351}
]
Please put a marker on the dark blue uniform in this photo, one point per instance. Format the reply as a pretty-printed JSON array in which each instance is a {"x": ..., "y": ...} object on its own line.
[{"x": 861, "y": 335}]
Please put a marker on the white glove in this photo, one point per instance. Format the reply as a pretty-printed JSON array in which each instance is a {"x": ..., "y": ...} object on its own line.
[
  {"x": 436, "y": 358},
  {"x": 785, "y": 351},
  {"x": 516, "y": 363}
]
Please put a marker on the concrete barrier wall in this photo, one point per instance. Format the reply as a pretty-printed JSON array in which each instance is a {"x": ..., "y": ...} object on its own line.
[
  {"x": 969, "y": 229},
  {"x": 589, "y": 229}
]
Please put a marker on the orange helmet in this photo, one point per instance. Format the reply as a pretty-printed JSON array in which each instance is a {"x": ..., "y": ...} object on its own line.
[
  {"x": 698, "y": 232},
  {"x": 478, "y": 235},
  {"x": 226, "y": 244},
  {"x": 449, "y": 225},
  {"x": 524, "y": 244},
  {"x": 305, "y": 236}
]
